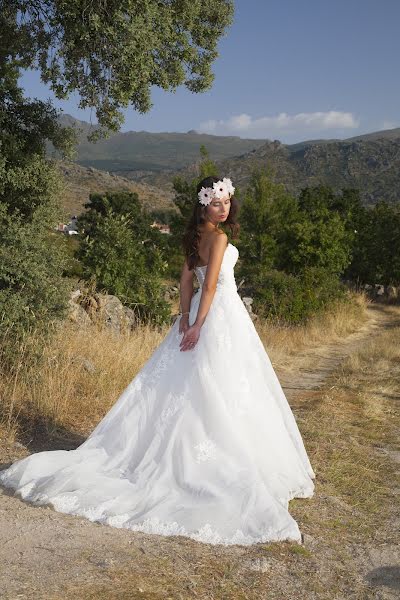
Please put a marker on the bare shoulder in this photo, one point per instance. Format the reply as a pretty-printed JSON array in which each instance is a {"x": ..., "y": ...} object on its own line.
[
  {"x": 219, "y": 240},
  {"x": 217, "y": 249}
]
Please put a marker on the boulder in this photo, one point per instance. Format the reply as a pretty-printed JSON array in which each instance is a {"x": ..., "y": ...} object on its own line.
[
  {"x": 102, "y": 309},
  {"x": 77, "y": 314},
  {"x": 391, "y": 293},
  {"x": 247, "y": 301}
]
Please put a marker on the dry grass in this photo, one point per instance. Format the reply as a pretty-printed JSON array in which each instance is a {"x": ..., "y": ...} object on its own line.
[
  {"x": 351, "y": 432},
  {"x": 85, "y": 370},
  {"x": 82, "y": 373},
  {"x": 336, "y": 323}
]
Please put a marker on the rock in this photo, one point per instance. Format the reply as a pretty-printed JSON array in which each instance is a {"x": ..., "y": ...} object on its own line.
[
  {"x": 77, "y": 314},
  {"x": 247, "y": 301},
  {"x": 85, "y": 362},
  {"x": 114, "y": 314},
  {"x": 260, "y": 564},
  {"x": 100, "y": 309},
  {"x": 391, "y": 293}
]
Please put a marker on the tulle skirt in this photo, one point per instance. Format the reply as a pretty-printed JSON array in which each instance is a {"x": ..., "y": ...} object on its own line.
[{"x": 201, "y": 443}]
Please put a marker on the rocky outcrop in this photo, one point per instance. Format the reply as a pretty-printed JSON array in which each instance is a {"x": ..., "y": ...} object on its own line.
[
  {"x": 100, "y": 309},
  {"x": 378, "y": 292}
]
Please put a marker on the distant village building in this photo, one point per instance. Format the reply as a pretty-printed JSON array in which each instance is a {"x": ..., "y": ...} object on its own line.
[
  {"x": 70, "y": 228},
  {"x": 162, "y": 227}
]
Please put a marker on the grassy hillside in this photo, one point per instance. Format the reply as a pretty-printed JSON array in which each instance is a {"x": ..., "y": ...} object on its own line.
[
  {"x": 138, "y": 153},
  {"x": 146, "y": 162},
  {"x": 369, "y": 163},
  {"x": 81, "y": 181}
]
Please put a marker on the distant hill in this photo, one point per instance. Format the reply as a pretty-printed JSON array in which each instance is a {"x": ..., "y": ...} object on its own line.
[
  {"x": 81, "y": 181},
  {"x": 137, "y": 154},
  {"x": 370, "y": 162}
]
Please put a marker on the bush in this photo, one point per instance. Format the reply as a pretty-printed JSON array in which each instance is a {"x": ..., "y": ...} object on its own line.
[
  {"x": 33, "y": 293},
  {"x": 293, "y": 251},
  {"x": 292, "y": 299},
  {"x": 124, "y": 255}
]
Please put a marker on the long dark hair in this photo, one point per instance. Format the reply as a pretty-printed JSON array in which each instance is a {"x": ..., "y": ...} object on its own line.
[{"x": 192, "y": 234}]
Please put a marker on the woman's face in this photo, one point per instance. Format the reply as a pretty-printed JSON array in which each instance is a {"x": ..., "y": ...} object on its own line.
[{"x": 218, "y": 210}]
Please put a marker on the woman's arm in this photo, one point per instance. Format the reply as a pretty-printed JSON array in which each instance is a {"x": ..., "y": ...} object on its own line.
[
  {"x": 186, "y": 287},
  {"x": 209, "y": 287}
]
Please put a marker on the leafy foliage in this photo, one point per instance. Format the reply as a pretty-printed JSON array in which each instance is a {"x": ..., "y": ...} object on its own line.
[
  {"x": 185, "y": 197},
  {"x": 113, "y": 52},
  {"x": 376, "y": 250},
  {"x": 33, "y": 293},
  {"x": 124, "y": 254},
  {"x": 293, "y": 250}
]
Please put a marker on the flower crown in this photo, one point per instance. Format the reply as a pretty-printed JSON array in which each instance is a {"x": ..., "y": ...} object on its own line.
[{"x": 221, "y": 189}]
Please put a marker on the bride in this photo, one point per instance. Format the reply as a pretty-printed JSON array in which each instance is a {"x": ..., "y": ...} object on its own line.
[{"x": 202, "y": 443}]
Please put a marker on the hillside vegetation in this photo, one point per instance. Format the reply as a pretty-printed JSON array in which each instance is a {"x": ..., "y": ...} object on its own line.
[
  {"x": 370, "y": 163},
  {"x": 140, "y": 153}
]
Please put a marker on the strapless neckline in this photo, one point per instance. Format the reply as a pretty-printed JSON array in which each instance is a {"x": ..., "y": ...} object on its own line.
[{"x": 204, "y": 266}]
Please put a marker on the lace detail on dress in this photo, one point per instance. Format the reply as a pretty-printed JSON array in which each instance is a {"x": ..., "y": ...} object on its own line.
[
  {"x": 26, "y": 490},
  {"x": 223, "y": 338},
  {"x": 244, "y": 399},
  {"x": 162, "y": 363},
  {"x": 7, "y": 474},
  {"x": 117, "y": 520},
  {"x": 136, "y": 385},
  {"x": 174, "y": 404},
  {"x": 65, "y": 502},
  {"x": 205, "y": 451}
]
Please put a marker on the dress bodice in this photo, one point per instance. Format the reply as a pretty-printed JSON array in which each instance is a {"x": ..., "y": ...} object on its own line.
[{"x": 226, "y": 277}]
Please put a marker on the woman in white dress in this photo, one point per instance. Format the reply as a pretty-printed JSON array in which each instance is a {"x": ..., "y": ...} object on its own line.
[{"x": 202, "y": 442}]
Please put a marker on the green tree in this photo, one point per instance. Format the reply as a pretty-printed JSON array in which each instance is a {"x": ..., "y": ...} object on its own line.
[
  {"x": 320, "y": 237},
  {"x": 267, "y": 215},
  {"x": 185, "y": 197},
  {"x": 376, "y": 252},
  {"x": 33, "y": 293},
  {"x": 124, "y": 253},
  {"x": 292, "y": 250},
  {"x": 112, "y": 53}
]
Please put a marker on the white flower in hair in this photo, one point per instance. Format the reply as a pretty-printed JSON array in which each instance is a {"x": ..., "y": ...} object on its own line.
[
  {"x": 220, "y": 190},
  {"x": 229, "y": 186},
  {"x": 205, "y": 195}
]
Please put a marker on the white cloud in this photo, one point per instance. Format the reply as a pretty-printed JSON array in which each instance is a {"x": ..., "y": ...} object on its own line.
[
  {"x": 389, "y": 125},
  {"x": 282, "y": 124}
]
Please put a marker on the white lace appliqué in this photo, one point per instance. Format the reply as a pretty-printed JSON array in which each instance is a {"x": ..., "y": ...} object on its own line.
[
  {"x": 205, "y": 451},
  {"x": 243, "y": 403},
  {"x": 174, "y": 404},
  {"x": 64, "y": 502}
]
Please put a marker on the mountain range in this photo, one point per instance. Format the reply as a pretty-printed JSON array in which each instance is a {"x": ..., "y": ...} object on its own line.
[{"x": 370, "y": 162}]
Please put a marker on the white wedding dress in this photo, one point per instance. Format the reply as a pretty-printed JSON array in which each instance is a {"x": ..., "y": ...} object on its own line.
[{"x": 202, "y": 443}]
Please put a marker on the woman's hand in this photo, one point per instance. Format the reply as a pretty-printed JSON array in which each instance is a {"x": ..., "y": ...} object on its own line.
[
  {"x": 190, "y": 337},
  {"x": 183, "y": 323}
]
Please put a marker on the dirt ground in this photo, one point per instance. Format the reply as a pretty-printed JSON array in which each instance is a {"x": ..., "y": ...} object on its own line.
[{"x": 50, "y": 555}]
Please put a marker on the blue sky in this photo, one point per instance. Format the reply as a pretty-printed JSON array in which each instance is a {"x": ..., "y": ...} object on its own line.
[{"x": 288, "y": 70}]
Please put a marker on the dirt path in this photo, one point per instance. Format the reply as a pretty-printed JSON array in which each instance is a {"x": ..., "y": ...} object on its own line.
[
  {"x": 49, "y": 555},
  {"x": 311, "y": 370}
]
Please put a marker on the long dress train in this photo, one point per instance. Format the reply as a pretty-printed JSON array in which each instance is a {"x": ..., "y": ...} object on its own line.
[{"x": 201, "y": 443}]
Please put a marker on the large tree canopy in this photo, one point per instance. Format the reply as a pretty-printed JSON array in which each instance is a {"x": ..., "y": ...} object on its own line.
[{"x": 112, "y": 51}]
